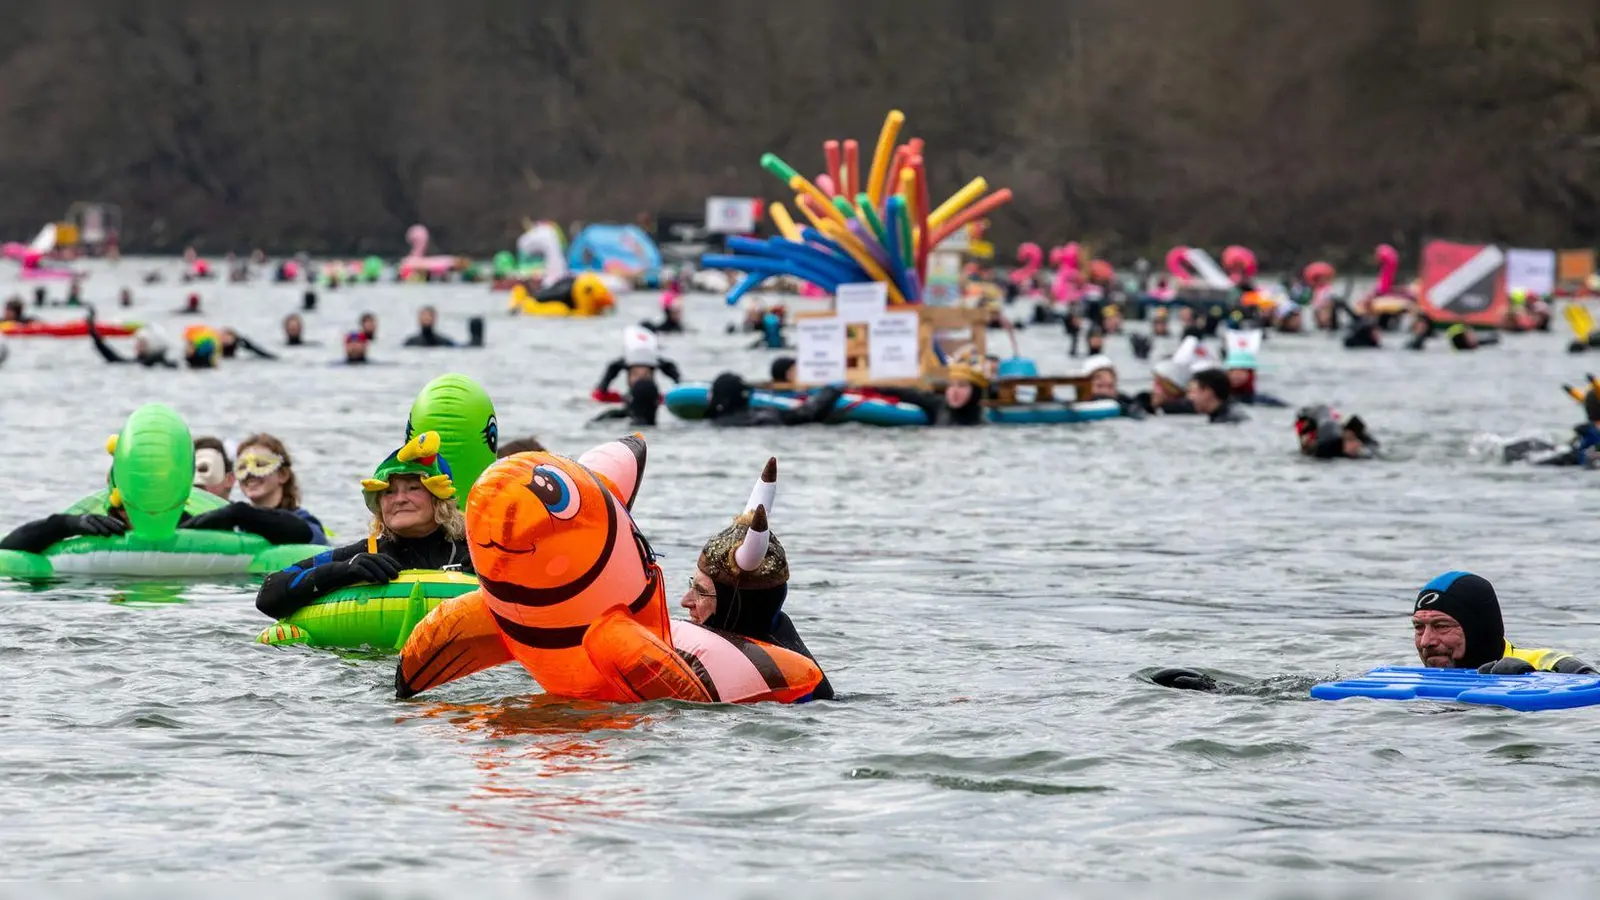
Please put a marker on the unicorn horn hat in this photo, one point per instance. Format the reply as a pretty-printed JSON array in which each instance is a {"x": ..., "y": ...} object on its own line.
[{"x": 746, "y": 554}]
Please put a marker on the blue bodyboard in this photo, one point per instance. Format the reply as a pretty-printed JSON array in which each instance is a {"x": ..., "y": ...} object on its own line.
[{"x": 1526, "y": 693}]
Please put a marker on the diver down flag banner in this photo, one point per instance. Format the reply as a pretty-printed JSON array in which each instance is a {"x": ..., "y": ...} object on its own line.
[{"x": 1463, "y": 283}]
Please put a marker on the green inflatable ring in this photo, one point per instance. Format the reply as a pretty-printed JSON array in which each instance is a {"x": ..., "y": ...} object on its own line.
[
  {"x": 380, "y": 616},
  {"x": 152, "y": 478}
]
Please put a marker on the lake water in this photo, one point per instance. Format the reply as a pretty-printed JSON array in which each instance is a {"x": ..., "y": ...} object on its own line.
[{"x": 984, "y": 599}]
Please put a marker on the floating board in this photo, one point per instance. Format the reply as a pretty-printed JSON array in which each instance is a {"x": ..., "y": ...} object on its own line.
[
  {"x": 1054, "y": 413},
  {"x": 1526, "y": 693},
  {"x": 690, "y": 400}
]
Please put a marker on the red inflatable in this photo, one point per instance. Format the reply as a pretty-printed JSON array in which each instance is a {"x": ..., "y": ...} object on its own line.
[{"x": 65, "y": 329}]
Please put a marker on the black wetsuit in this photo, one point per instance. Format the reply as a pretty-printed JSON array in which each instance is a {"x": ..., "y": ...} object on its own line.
[
  {"x": 240, "y": 342},
  {"x": 759, "y": 615},
  {"x": 287, "y": 591},
  {"x": 617, "y": 366},
  {"x": 639, "y": 407},
  {"x": 278, "y": 526},
  {"x": 1178, "y": 407},
  {"x": 936, "y": 408},
  {"x": 148, "y": 359},
  {"x": 1227, "y": 414},
  {"x": 427, "y": 337},
  {"x": 667, "y": 325},
  {"x": 730, "y": 406},
  {"x": 1256, "y": 398}
]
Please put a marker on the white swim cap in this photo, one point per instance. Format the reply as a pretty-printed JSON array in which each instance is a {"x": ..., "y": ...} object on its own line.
[
  {"x": 1098, "y": 362},
  {"x": 640, "y": 347}
]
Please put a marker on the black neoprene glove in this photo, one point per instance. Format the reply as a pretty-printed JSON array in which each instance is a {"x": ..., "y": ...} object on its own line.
[
  {"x": 1571, "y": 665},
  {"x": 223, "y": 518},
  {"x": 1508, "y": 666},
  {"x": 371, "y": 568},
  {"x": 96, "y": 525}
]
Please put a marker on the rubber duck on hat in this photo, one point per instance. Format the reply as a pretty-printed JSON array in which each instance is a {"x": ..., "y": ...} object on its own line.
[{"x": 420, "y": 456}]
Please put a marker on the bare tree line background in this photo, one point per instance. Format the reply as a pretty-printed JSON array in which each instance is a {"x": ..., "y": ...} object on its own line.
[{"x": 1302, "y": 129}]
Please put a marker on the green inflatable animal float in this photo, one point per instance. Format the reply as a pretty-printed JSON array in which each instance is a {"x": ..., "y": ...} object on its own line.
[
  {"x": 151, "y": 482},
  {"x": 458, "y": 409}
]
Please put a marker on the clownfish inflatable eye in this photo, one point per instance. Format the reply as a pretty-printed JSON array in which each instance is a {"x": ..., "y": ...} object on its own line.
[{"x": 556, "y": 491}]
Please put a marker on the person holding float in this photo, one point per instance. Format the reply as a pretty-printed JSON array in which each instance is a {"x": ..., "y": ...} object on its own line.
[
  {"x": 416, "y": 524},
  {"x": 961, "y": 402},
  {"x": 1102, "y": 375},
  {"x": 1169, "y": 381},
  {"x": 150, "y": 520},
  {"x": 571, "y": 590},
  {"x": 1456, "y": 623},
  {"x": 741, "y": 579}
]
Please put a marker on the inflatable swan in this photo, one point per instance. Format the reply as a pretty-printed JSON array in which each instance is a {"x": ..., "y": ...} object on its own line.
[{"x": 571, "y": 591}]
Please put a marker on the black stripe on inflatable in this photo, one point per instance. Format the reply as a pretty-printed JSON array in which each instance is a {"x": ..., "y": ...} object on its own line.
[
  {"x": 761, "y": 659},
  {"x": 700, "y": 672},
  {"x": 541, "y": 638},
  {"x": 531, "y": 596}
]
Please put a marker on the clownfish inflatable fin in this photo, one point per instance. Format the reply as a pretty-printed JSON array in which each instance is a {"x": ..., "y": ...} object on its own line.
[
  {"x": 620, "y": 465},
  {"x": 639, "y": 664},
  {"x": 458, "y": 638}
]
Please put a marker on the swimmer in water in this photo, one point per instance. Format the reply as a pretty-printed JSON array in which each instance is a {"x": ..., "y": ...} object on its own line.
[
  {"x": 528, "y": 444},
  {"x": 415, "y": 525},
  {"x": 1583, "y": 450},
  {"x": 265, "y": 475},
  {"x": 149, "y": 347},
  {"x": 960, "y": 404},
  {"x": 1456, "y": 624},
  {"x": 294, "y": 332},
  {"x": 729, "y": 405},
  {"x": 369, "y": 326},
  {"x": 213, "y": 470},
  {"x": 191, "y": 306},
  {"x": 1102, "y": 374},
  {"x": 233, "y": 342},
  {"x": 355, "y": 348},
  {"x": 1212, "y": 397},
  {"x": 16, "y": 312},
  {"x": 1324, "y": 435},
  {"x": 641, "y": 358},
  {"x": 427, "y": 317},
  {"x": 741, "y": 580},
  {"x": 1167, "y": 390}
]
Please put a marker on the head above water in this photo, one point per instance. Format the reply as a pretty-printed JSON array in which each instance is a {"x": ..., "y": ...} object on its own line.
[
  {"x": 213, "y": 470},
  {"x": 1457, "y": 623},
  {"x": 411, "y": 492},
  {"x": 1209, "y": 390},
  {"x": 460, "y": 411}
]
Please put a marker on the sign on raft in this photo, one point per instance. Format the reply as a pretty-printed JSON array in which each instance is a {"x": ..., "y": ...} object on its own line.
[{"x": 862, "y": 341}]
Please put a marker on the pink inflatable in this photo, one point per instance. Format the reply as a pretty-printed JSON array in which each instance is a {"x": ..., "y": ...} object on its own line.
[
  {"x": 1177, "y": 265},
  {"x": 1068, "y": 284},
  {"x": 1031, "y": 258},
  {"x": 418, "y": 261},
  {"x": 1388, "y": 265},
  {"x": 34, "y": 269},
  {"x": 1239, "y": 262}
]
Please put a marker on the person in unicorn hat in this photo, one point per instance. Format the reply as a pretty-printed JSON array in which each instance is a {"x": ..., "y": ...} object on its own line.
[
  {"x": 742, "y": 579},
  {"x": 416, "y": 524},
  {"x": 1242, "y": 347}
]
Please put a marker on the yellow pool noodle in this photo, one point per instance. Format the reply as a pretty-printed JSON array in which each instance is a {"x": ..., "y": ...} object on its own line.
[
  {"x": 858, "y": 251},
  {"x": 786, "y": 226},
  {"x": 800, "y": 185},
  {"x": 908, "y": 190},
  {"x": 880, "y": 157},
  {"x": 957, "y": 202}
]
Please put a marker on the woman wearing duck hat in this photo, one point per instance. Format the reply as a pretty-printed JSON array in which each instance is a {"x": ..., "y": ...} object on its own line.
[
  {"x": 416, "y": 524},
  {"x": 742, "y": 579}
]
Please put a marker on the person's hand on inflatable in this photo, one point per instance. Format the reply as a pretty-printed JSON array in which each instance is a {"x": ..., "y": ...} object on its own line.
[
  {"x": 222, "y": 518},
  {"x": 374, "y": 568},
  {"x": 95, "y": 525},
  {"x": 1571, "y": 665},
  {"x": 1508, "y": 666}
]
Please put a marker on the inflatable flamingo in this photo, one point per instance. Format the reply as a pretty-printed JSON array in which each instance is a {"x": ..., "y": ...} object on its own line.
[
  {"x": 1178, "y": 265},
  {"x": 1388, "y": 265},
  {"x": 1068, "y": 284},
  {"x": 418, "y": 261},
  {"x": 1031, "y": 258}
]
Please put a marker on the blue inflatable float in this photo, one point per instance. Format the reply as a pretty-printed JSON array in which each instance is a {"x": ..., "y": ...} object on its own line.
[
  {"x": 1526, "y": 693},
  {"x": 689, "y": 401}
]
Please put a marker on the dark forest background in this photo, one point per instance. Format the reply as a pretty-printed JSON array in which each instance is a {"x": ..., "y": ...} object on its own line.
[{"x": 1299, "y": 128}]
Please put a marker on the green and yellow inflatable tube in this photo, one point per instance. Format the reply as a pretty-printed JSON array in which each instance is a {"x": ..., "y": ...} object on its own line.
[
  {"x": 379, "y": 616},
  {"x": 151, "y": 480}
]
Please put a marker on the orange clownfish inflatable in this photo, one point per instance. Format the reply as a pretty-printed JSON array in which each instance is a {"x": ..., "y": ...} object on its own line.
[{"x": 571, "y": 590}]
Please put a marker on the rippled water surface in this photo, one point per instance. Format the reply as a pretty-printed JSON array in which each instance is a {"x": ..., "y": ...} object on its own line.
[{"x": 984, "y": 600}]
